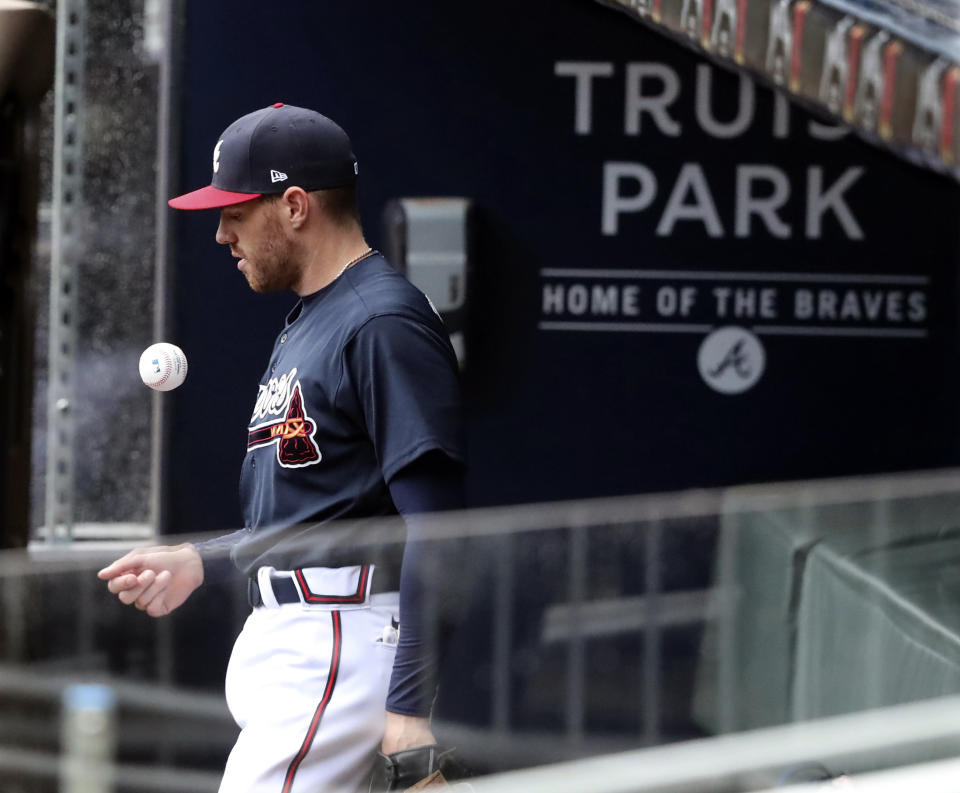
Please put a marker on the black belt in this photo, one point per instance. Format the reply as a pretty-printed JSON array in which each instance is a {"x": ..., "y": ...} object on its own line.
[{"x": 294, "y": 588}]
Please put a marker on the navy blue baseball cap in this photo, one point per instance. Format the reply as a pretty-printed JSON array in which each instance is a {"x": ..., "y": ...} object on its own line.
[{"x": 269, "y": 150}]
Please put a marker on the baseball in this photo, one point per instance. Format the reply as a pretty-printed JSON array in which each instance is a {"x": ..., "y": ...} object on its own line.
[{"x": 163, "y": 366}]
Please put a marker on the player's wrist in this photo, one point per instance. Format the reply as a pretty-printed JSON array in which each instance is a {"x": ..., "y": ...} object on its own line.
[
  {"x": 406, "y": 732},
  {"x": 192, "y": 557}
]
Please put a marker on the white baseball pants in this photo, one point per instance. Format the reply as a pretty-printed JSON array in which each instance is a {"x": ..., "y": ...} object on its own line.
[{"x": 307, "y": 684}]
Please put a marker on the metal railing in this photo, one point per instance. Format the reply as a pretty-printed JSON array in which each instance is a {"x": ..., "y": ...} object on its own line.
[{"x": 572, "y": 617}]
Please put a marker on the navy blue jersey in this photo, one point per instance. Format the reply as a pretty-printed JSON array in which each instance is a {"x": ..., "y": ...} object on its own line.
[{"x": 362, "y": 381}]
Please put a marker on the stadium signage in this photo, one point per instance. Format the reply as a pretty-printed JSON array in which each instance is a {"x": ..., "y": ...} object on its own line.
[{"x": 765, "y": 199}]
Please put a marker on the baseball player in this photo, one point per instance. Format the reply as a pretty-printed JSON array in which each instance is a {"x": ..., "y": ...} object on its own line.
[{"x": 357, "y": 414}]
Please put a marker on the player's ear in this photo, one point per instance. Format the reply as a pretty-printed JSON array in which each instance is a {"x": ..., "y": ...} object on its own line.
[{"x": 296, "y": 206}]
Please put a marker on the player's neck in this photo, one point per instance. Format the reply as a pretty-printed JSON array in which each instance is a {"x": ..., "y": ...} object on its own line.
[{"x": 327, "y": 258}]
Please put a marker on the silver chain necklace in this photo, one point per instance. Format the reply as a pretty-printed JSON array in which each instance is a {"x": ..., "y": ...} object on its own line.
[{"x": 352, "y": 262}]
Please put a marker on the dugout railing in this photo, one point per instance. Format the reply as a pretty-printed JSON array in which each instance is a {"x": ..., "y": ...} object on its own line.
[{"x": 592, "y": 627}]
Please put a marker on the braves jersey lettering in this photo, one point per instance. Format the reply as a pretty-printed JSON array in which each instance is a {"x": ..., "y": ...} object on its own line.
[
  {"x": 293, "y": 434},
  {"x": 274, "y": 397}
]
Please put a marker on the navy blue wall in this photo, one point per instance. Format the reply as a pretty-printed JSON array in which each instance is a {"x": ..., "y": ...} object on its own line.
[
  {"x": 567, "y": 400},
  {"x": 454, "y": 99}
]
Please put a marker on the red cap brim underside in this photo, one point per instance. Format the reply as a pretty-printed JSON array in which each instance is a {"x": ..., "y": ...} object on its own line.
[{"x": 210, "y": 197}]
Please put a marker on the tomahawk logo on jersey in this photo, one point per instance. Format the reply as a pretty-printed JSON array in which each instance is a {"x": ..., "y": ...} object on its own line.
[{"x": 293, "y": 433}]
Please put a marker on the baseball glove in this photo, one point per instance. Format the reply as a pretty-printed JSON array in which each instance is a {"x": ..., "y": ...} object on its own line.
[{"x": 416, "y": 769}]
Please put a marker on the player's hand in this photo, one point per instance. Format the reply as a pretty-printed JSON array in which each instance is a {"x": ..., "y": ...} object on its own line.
[
  {"x": 410, "y": 759},
  {"x": 405, "y": 732},
  {"x": 156, "y": 580}
]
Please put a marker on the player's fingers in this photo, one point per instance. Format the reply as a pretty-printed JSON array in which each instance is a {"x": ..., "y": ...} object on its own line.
[
  {"x": 122, "y": 583},
  {"x": 158, "y": 606},
  {"x": 143, "y": 582},
  {"x": 155, "y": 590},
  {"x": 129, "y": 595},
  {"x": 125, "y": 564}
]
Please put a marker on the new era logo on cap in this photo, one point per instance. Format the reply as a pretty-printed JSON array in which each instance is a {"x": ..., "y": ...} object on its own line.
[{"x": 277, "y": 176}]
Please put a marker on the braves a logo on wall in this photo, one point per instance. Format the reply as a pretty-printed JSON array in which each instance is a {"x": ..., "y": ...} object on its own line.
[
  {"x": 731, "y": 360},
  {"x": 293, "y": 432}
]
